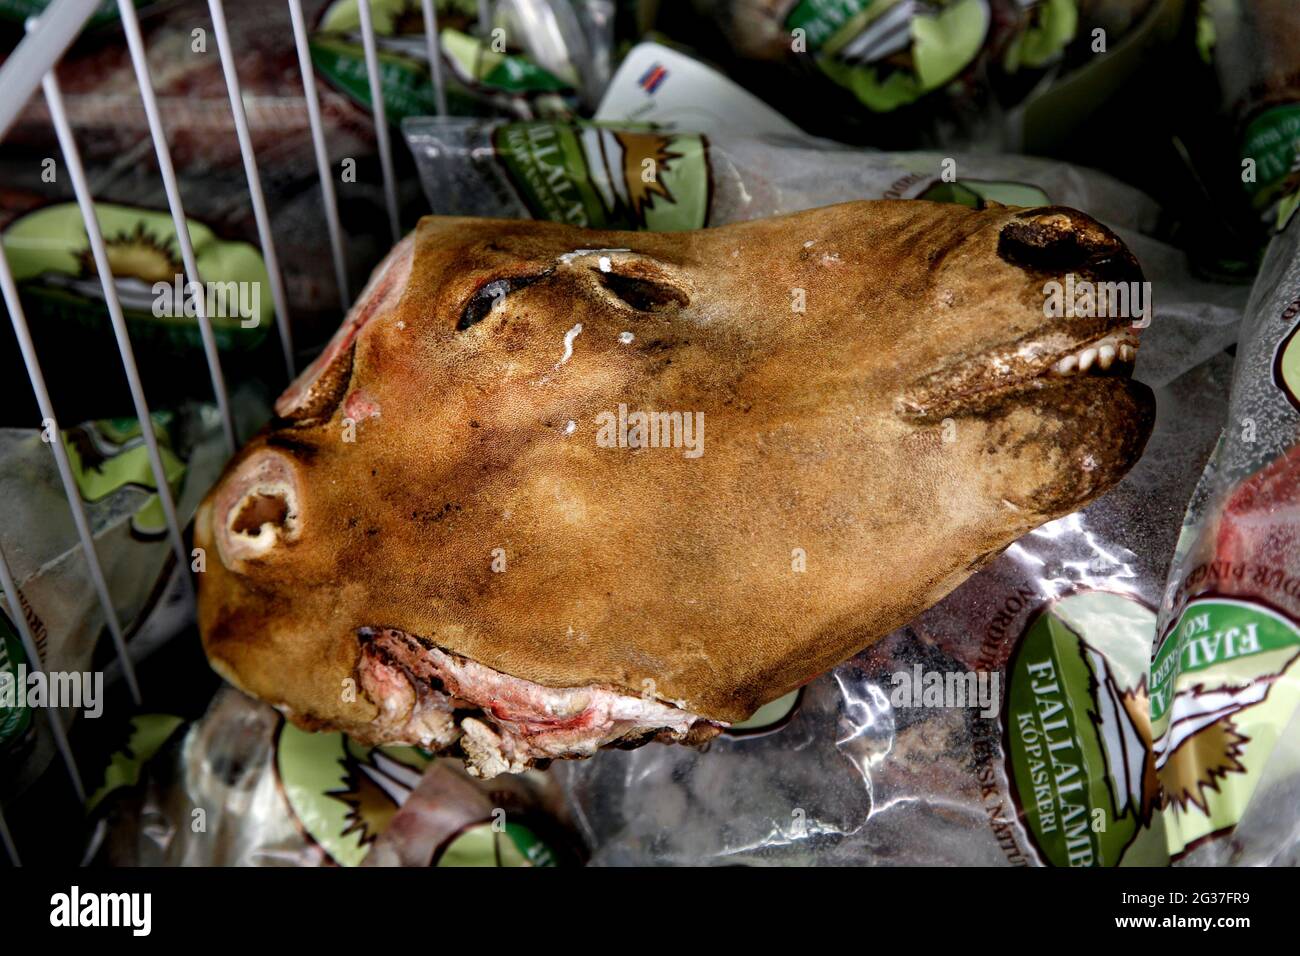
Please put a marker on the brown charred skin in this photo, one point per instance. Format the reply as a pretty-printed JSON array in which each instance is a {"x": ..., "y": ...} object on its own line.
[{"x": 817, "y": 518}]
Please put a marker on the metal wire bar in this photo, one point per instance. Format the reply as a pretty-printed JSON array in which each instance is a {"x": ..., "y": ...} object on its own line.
[
  {"x": 322, "y": 156},
  {"x": 434, "y": 46},
  {"x": 131, "y": 26},
  {"x": 19, "y": 321},
  {"x": 381, "y": 117},
  {"x": 35, "y": 56},
  {"x": 72, "y": 158},
  {"x": 34, "y": 662},
  {"x": 485, "y": 36},
  {"x": 263, "y": 221}
]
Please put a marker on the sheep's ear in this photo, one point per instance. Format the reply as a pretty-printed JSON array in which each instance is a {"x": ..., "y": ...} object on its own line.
[{"x": 320, "y": 386}]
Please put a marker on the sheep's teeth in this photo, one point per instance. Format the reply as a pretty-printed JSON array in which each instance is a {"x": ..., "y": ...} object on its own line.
[
  {"x": 1066, "y": 365},
  {"x": 1127, "y": 353},
  {"x": 1105, "y": 355},
  {"x": 1086, "y": 358}
]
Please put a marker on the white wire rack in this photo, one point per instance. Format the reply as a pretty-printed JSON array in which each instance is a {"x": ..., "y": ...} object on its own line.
[{"x": 32, "y": 64}]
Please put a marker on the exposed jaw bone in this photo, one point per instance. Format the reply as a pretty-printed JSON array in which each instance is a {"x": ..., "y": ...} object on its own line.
[{"x": 431, "y": 698}]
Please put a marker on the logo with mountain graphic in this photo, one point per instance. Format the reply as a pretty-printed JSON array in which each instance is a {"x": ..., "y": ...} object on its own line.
[
  {"x": 345, "y": 795},
  {"x": 1223, "y": 681},
  {"x": 1078, "y": 738},
  {"x": 605, "y": 178},
  {"x": 49, "y": 252}
]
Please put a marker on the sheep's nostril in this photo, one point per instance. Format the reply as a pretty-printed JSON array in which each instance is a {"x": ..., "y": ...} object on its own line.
[
  {"x": 1062, "y": 240},
  {"x": 258, "y": 510}
]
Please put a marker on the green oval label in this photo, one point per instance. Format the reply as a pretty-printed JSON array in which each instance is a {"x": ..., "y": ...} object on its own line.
[
  {"x": 49, "y": 253},
  {"x": 1078, "y": 737},
  {"x": 1286, "y": 363},
  {"x": 601, "y": 177}
]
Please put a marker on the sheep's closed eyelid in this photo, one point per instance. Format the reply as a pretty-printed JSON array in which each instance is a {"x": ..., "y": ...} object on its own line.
[
  {"x": 643, "y": 293},
  {"x": 487, "y": 295}
]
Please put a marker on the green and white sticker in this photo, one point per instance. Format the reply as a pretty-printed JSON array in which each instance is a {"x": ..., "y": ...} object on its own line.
[
  {"x": 601, "y": 177},
  {"x": 977, "y": 193},
  {"x": 1270, "y": 140},
  {"x": 50, "y": 256},
  {"x": 1078, "y": 742},
  {"x": 345, "y": 795},
  {"x": 110, "y": 454},
  {"x": 822, "y": 19},
  {"x": 860, "y": 46},
  {"x": 1224, "y": 684},
  {"x": 145, "y": 736},
  {"x": 1286, "y": 361},
  {"x": 769, "y": 718},
  {"x": 404, "y": 75},
  {"x": 489, "y": 844}
]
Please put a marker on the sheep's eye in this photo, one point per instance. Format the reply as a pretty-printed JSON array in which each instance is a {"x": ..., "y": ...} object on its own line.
[
  {"x": 488, "y": 295},
  {"x": 642, "y": 294}
]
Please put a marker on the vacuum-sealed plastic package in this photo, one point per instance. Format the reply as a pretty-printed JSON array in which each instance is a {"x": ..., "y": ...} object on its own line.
[
  {"x": 244, "y": 787},
  {"x": 1009, "y": 723},
  {"x": 635, "y": 177},
  {"x": 866, "y": 762},
  {"x": 118, "y": 491},
  {"x": 535, "y": 58},
  {"x": 1119, "y": 687},
  {"x": 1070, "y": 607},
  {"x": 1001, "y": 72},
  {"x": 1224, "y": 680}
]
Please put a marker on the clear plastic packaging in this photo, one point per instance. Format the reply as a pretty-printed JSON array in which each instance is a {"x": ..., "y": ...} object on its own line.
[
  {"x": 243, "y": 787},
  {"x": 1225, "y": 682}
]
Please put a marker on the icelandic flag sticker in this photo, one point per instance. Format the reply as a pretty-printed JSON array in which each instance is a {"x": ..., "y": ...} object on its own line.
[{"x": 653, "y": 78}]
